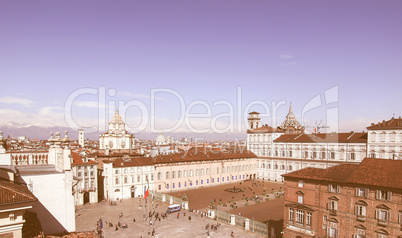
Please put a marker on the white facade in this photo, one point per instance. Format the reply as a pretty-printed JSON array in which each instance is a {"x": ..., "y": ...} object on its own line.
[
  {"x": 124, "y": 180},
  {"x": 197, "y": 174},
  {"x": 280, "y": 153},
  {"x": 385, "y": 139},
  {"x": 116, "y": 138},
  {"x": 86, "y": 188}
]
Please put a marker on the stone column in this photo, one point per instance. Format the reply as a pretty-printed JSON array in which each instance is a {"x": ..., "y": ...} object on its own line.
[
  {"x": 247, "y": 224},
  {"x": 232, "y": 219}
]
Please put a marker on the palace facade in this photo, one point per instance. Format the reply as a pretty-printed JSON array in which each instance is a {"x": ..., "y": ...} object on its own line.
[{"x": 287, "y": 148}]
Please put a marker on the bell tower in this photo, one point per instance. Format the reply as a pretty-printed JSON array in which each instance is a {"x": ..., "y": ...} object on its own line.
[{"x": 254, "y": 120}]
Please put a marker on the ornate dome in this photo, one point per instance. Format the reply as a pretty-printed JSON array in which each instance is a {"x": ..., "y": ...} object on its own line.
[
  {"x": 116, "y": 119},
  {"x": 160, "y": 139}
]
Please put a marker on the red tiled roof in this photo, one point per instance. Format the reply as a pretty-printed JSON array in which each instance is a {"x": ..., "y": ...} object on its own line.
[
  {"x": 193, "y": 154},
  {"x": 11, "y": 193},
  {"x": 378, "y": 172},
  {"x": 348, "y": 137},
  {"x": 77, "y": 159},
  {"x": 253, "y": 112},
  {"x": 372, "y": 172},
  {"x": 394, "y": 123},
  {"x": 264, "y": 129}
]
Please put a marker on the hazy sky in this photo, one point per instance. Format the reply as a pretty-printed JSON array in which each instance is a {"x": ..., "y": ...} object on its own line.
[{"x": 208, "y": 51}]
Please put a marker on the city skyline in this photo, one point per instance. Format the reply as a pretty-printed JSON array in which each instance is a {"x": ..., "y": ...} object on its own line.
[{"x": 205, "y": 52}]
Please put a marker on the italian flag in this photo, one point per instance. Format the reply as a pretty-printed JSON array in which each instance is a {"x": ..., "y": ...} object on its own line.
[{"x": 146, "y": 191}]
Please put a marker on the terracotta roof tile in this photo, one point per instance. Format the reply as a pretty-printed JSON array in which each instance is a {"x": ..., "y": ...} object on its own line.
[
  {"x": 264, "y": 129},
  {"x": 348, "y": 137},
  {"x": 394, "y": 123},
  {"x": 77, "y": 159},
  {"x": 11, "y": 193},
  {"x": 373, "y": 172}
]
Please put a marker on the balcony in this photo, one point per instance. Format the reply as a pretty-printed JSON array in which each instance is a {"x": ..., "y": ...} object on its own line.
[
  {"x": 361, "y": 218},
  {"x": 382, "y": 223},
  {"x": 333, "y": 212}
]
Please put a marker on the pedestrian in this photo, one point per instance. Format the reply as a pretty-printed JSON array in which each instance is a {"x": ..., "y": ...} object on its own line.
[
  {"x": 177, "y": 215},
  {"x": 153, "y": 232},
  {"x": 133, "y": 219}
]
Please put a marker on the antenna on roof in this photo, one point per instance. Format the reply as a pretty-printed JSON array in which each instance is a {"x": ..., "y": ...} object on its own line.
[{"x": 317, "y": 127}]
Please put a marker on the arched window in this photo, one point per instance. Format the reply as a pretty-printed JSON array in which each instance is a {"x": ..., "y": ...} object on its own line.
[
  {"x": 125, "y": 179},
  {"x": 185, "y": 173},
  {"x": 117, "y": 181},
  {"x": 207, "y": 171},
  {"x": 179, "y": 174},
  {"x": 167, "y": 175},
  {"x": 173, "y": 174},
  {"x": 197, "y": 172},
  {"x": 138, "y": 179},
  {"x": 191, "y": 173},
  {"x": 159, "y": 176},
  {"x": 202, "y": 172}
]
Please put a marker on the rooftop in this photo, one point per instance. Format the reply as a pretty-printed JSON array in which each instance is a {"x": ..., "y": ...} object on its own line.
[
  {"x": 370, "y": 172},
  {"x": 348, "y": 137},
  {"x": 11, "y": 193},
  {"x": 394, "y": 123}
]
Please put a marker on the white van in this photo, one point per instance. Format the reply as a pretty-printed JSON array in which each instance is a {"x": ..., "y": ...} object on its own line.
[{"x": 173, "y": 208}]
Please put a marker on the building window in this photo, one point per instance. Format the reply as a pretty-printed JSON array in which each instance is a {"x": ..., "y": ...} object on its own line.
[
  {"x": 202, "y": 172},
  {"x": 384, "y": 195},
  {"x": 300, "y": 184},
  {"x": 159, "y": 176},
  {"x": 173, "y": 174},
  {"x": 185, "y": 173},
  {"x": 179, "y": 174},
  {"x": 314, "y": 154},
  {"x": 191, "y": 173},
  {"x": 167, "y": 175},
  {"x": 300, "y": 199},
  {"x": 291, "y": 214},
  {"x": 333, "y": 205},
  {"x": 383, "y": 215},
  {"x": 299, "y": 216},
  {"x": 290, "y": 153},
  {"x": 196, "y": 182},
  {"x": 146, "y": 178},
  {"x": 323, "y": 155},
  {"x": 138, "y": 178},
  {"x": 116, "y": 171},
  {"x": 360, "y": 233},
  {"x": 179, "y": 184},
  {"x": 79, "y": 174},
  {"x": 117, "y": 180},
  {"x": 332, "y": 155},
  {"x": 197, "y": 172},
  {"x": 352, "y": 156},
  {"x": 152, "y": 177},
  {"x": 174, "y": 185},
  {"x": 160, "y": 187},
  {"x": 360, "y": 210},
  {"x": 217, "y": 170},
  {"x": 85, "y": 174},
  {"x": 125, "y": 180},
  {"x": 207, "y": 171},
  {"x": 333, "y": 188},
  {"x": 362, "y": 192},
  {"x": 308, "y": 219},
  {"x": 305, "y": 154}
]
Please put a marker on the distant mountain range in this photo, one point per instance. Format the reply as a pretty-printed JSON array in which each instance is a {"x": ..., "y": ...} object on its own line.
[{"x": 39, "y": 132}]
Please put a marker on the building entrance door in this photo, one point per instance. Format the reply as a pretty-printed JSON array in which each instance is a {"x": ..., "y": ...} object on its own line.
[{"x": 86, "y": 197}]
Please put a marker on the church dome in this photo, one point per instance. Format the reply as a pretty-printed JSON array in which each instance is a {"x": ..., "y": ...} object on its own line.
[
  {"x": 160, "y": 138},
  {"x": 116, "y": 119}
]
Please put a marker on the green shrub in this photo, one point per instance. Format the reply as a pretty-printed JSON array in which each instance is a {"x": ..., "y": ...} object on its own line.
[{"x": 246, "y": 204}]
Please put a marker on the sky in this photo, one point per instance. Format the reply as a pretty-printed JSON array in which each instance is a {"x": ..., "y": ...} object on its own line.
[{"x": 199, "y": 66}]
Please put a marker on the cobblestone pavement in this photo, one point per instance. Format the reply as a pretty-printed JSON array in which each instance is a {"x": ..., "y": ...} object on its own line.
[{"x": 171, "y": 226}]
